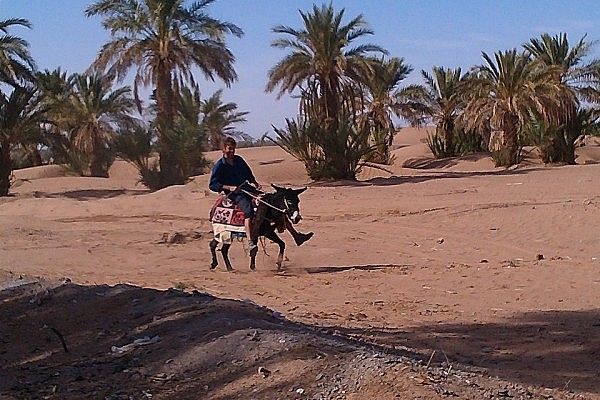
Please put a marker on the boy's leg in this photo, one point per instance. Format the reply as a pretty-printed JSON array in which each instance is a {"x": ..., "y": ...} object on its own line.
[
  {"x": 246, "y": 206},
  {"x": 299, "y": 238}
]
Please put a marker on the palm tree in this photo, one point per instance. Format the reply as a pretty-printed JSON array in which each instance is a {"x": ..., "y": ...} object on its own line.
[
  {"x": 219, "y": 118},
  {"x": 16, "y": 63},
  {"x": 583, "y": 79},
  {"x": 322, "y": 58},
  {"x": 191, "y": 135},
  {"x": 384, "y": 99},
  {"x": 164, "y": 40},
  {"x": 16, "y": 113},
  {"x": 56, "y": 88},
  {"x": 94, "y": 112},
  {"x": 442, "y": 102},
  {"x": 326, "y": 70},
  {"x": 505, "y": 90},
  {"x": 20, "y": 118}
]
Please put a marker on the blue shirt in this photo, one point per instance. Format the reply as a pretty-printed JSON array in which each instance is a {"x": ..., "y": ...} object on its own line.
[{"x": 231, "y": 175}]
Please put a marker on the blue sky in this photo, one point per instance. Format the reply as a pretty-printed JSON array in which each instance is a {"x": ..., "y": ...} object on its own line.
[{"x": 450, "y": 33}]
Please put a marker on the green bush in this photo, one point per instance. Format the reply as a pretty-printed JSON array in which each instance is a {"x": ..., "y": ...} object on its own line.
[
  {"x": 327, "y": 153},
  {"x": 437, "y": 146},
  {"x": 464, "y": 143},
  {"x": 557, "y": 143},
  {"x": 381, "y": 150},
  {"x": 504, "y": 158},
  {"x": 184, "y": 145},
  {"x": 135, "y": 147},
  {"x": 77, "y": 161},
  {"x": 470, "y": 142}
]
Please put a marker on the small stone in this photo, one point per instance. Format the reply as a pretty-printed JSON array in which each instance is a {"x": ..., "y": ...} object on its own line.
[
  {"x": 440, "y": 240},
  {"x": 265, "y": 373}
]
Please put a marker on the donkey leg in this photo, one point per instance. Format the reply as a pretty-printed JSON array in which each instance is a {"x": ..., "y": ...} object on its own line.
[
  {"x": 253, "y": 254},
  {"x": 225, "y": 252},
  {"x": 273, "y": 237},
  {"x": 213, "y": 252}
]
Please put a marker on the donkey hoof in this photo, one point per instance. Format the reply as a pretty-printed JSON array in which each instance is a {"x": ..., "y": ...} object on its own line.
[{"x": 213, "y": 266}]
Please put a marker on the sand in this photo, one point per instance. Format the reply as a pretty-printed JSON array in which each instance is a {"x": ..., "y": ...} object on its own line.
[{"x": 492, "y": 268}]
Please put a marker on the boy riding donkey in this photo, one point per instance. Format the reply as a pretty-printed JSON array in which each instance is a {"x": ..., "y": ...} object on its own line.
[{"x": 228, "y": 174}]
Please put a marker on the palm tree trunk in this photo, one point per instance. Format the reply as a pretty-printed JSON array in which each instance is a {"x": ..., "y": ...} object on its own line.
[
  {"x": 569, "y": 134},
  {"x": 449, "y": 137},
  {"x": 569, "y": 155},
  {"x": 35, "y": 157},
  {"x": 215, "y": 141},
  {"x": 331, "y": 103},
  {"x": 169, "y": 172},
  {"x": 97, "y": 166},
  {"x": 511, "y": 139},
  {"x": 5, "y": 168}
]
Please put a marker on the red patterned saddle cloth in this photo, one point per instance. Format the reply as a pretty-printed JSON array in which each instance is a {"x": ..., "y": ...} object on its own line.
[{"x": 224, "y": 211}]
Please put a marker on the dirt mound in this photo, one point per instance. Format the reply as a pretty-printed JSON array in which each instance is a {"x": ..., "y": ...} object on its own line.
[{"x": 127, "y": 342}]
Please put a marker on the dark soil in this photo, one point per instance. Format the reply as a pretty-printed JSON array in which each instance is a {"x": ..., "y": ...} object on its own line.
[{"x": 59, "y": 340}]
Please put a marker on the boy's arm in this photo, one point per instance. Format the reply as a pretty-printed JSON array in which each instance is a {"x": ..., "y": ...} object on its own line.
[
  {"x": 251, "y": 177},
  {"x": 215, "y": 183}
]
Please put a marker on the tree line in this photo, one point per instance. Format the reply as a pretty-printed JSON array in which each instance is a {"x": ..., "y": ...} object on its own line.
[
  {"x": 544, "y": 93},
  {"x": 85, "y": 120}
]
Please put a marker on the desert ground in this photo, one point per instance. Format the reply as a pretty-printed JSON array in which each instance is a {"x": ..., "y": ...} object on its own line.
[{"x": 435, "y": 279}]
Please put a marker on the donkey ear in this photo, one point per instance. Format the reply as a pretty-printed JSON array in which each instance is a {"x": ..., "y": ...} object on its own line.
[
  {"x": 277, "y": 188},
  {"x": 298, "y": 191}
]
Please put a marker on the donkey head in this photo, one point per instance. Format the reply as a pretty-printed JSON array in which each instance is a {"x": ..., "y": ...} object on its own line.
[{"x": 290, "y": 202}]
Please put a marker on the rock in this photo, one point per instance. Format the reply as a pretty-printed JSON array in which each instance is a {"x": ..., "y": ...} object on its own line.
[
  {"x": 265, "y": 373},
  {"x": 255, "y": 337}
]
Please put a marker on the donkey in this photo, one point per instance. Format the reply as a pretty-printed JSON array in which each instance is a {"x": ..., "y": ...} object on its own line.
[{"x": 275, "y": 212}]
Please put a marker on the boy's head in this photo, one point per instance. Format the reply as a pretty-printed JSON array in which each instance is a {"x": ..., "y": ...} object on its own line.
[{"x": 229, "y": 148}]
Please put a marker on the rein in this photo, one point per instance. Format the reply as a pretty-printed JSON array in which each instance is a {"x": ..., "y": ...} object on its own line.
[{"x": 264, "y": 202}]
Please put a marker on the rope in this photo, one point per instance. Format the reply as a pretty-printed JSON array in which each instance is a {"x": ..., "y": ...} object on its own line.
[{"x": 262, "y": 201}]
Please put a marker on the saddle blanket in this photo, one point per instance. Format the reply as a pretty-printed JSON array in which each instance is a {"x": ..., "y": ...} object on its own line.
[
  {"x": 224, "y": 212},
  {"x": 228, "y": 233},
  {"x": 227, "y": 220}
]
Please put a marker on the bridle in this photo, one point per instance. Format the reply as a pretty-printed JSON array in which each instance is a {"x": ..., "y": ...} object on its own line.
[
  {"x": 295, "y": 217},
  {"x": 285, "y": 211},
  {"x": 260, "y": 200}
]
